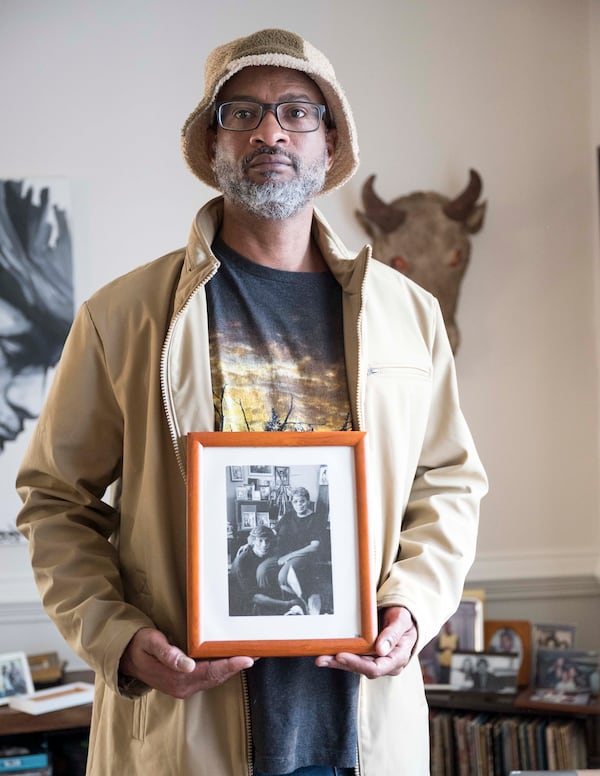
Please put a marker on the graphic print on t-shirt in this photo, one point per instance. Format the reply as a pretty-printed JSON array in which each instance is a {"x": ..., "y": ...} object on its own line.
[{"x": 276, "y": 344}]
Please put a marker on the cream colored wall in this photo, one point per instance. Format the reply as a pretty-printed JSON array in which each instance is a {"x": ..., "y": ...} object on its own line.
[{"x": 97, "y": 93}]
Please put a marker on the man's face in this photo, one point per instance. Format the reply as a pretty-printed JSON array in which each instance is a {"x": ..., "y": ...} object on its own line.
[
  {"x": 261, "y": 546},
  {"x": 269, "y": 171}
]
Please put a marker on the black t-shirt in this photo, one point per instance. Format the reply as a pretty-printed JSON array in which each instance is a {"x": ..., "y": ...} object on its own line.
[{"x": 277, "y": 364}]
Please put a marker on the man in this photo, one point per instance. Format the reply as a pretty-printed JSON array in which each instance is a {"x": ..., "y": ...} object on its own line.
[
  {"x": 251, "y": 592},
  {"x": 264, "y": 321}
]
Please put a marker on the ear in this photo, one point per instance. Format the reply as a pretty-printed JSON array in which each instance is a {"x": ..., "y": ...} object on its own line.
[{"x": 331, "y": 144}]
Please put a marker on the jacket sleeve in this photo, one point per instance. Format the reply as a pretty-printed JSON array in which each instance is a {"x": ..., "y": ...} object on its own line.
[
  {"x": 74, "y": 456},
  {"x": 445, "y": 481}
]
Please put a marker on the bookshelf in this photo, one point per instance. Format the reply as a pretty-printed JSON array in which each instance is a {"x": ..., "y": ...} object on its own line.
[
  {"x": 481, "y": 734},
  {"x": 62, "y": 734}
]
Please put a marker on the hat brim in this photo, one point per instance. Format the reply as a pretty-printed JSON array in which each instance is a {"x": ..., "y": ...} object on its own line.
[{"x": 194, "y": 133}]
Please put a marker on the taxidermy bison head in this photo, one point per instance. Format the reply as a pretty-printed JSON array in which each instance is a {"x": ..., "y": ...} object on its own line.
[{"x": 425, "y": 235}]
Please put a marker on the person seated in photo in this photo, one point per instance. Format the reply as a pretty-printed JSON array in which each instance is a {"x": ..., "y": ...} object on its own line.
[
  {"x": 250, "y": 592},
  {"x": 303, "y": 552}
]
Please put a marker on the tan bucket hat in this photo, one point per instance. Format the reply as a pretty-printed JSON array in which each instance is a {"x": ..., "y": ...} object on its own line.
[{"x": 281, "y": 49}]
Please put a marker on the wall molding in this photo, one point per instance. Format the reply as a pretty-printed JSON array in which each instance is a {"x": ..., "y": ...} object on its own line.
[
  {"x": 521, "y": 565},
  {"x": 21, "y": 613},
  {"x": 538, "y": 588}
]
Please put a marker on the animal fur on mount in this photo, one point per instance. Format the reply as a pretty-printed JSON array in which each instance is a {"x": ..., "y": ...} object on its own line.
[{"x": 425, "y": 235}]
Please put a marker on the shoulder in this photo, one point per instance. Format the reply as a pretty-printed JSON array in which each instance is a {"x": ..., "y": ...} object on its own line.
[
  {"x": 389, "y": 281},
  {"x": 146, "y": 290},
  {"x": 142, "y": 280}
]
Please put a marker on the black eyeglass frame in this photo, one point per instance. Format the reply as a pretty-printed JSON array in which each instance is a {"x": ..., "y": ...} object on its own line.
[{"x": 274, "y": 108}]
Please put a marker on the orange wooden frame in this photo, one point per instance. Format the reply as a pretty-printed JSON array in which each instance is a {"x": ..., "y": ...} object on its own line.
[{"x": 200, "y": 644}]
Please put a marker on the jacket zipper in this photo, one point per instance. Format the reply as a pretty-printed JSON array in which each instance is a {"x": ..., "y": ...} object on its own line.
[
  {"x": 163, "y": 373},
  {"x": 359, "y": 380},
  {"x": 246, "y": 703}
]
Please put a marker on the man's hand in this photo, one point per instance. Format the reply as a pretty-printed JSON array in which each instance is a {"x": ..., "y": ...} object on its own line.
[
  {"x": 393, "y": 648},
  {"x": 150, "y": 658}
]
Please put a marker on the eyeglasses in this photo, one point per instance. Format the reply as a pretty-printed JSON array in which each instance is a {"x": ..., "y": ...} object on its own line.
[{"x": 244, "y": 115}]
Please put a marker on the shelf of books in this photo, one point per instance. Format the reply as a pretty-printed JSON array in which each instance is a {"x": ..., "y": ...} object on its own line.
[
  {"x": 476, "y": 734},
  {"x": 482, "y": 720}
]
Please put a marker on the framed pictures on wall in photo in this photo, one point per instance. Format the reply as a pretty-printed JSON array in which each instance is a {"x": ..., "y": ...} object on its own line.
[{"x": 261, "y": 598}]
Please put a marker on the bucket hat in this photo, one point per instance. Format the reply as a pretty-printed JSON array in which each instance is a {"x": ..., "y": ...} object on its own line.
[{"x": 278, "y": 48}]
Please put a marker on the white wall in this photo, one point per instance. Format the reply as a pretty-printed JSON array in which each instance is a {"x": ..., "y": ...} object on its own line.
[{"x": 97, "y": 93}]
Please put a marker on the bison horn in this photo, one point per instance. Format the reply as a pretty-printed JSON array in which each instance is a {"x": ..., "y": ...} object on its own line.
[
  {"x": 385, "y": 216},
  {"x": 459, "y": 209}
]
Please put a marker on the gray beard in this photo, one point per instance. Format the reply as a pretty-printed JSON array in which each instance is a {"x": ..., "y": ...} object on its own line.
[{"x": 273, "y": 199}]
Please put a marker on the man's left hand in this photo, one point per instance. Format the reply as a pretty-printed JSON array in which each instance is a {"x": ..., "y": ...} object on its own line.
[{"x": 393, "y": 648}]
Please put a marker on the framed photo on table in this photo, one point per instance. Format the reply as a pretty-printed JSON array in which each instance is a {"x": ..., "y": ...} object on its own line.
[
  {"x": 511, "y": 636},
  {"x": 15, "y": 676},
  {"x": 339, "y": 615},
  {"x": 463, "y": 632}
]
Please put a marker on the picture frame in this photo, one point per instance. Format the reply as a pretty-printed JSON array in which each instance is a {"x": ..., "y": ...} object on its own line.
[
  {"x": 482, "y": 671},
  {"x": 346, "y": 619},
  {"x": 463, "y": 631},
  {"x": 242, "y": 492},
  {"x": 54, "y": 698},
  {"x": 511, "y": 636},
  {"x": 568, "y": 670},
  {"x": 553, "y": 636},
  {"x": 263, "y": 471},
  {"x": 282, "y": 475},
  {"x": 236, "y": 473},
  {"x": 15, "y": 676}
]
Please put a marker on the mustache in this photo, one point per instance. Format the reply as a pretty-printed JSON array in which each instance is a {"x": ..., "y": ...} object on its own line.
[{"x": 271, "y": 150}]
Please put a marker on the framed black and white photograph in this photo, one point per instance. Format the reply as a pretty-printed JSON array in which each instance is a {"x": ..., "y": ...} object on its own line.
[
  {"x": 293, "y": 577},
  {"x": 15, "y": 676},
  {"x": 260, "y": 470},
  {"x": 282, "y": 475},
  {"x": 242, "y": 492},
  {"x": 236, "y": 473},
  {"x": 489, "y": 672},
  {"x": 568, "y": 670},
  {"x": 462, "y": 632}
]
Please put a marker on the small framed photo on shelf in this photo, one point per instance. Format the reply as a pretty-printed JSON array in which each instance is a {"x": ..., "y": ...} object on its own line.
[
  {"x": 491, "y": 672},
  {"x": 332, "y": 594},
  {"x": 553, "y": 636},
  {"x": 462, "y": 632},
  {"x": 568, "y": 670},
  {"x": 512, "y": 636},
  {"x": 242, "y": 492},
  {"x": 15, "y": 676}
]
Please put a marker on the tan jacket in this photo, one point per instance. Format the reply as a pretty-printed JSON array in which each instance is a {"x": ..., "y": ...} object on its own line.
[{"x": 133, "y": 380}]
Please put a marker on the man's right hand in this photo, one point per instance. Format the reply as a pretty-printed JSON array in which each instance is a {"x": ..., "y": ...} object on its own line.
[{"x": 150, "y": 658}]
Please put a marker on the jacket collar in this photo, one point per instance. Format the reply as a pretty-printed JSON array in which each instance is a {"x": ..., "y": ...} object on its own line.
[{"x": 200, "y": 262}]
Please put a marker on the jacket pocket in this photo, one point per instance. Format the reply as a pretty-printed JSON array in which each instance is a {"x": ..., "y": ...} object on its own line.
[
  {"x": 399, "y": 371},
  {"x": 140, "y": 710}
]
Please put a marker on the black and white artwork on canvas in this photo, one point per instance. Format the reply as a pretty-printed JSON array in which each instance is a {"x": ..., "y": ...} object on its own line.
[{"x": 36, "y": 312}]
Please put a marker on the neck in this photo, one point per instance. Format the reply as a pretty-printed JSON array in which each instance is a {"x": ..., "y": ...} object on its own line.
[{"x": 286, "y": 244}]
